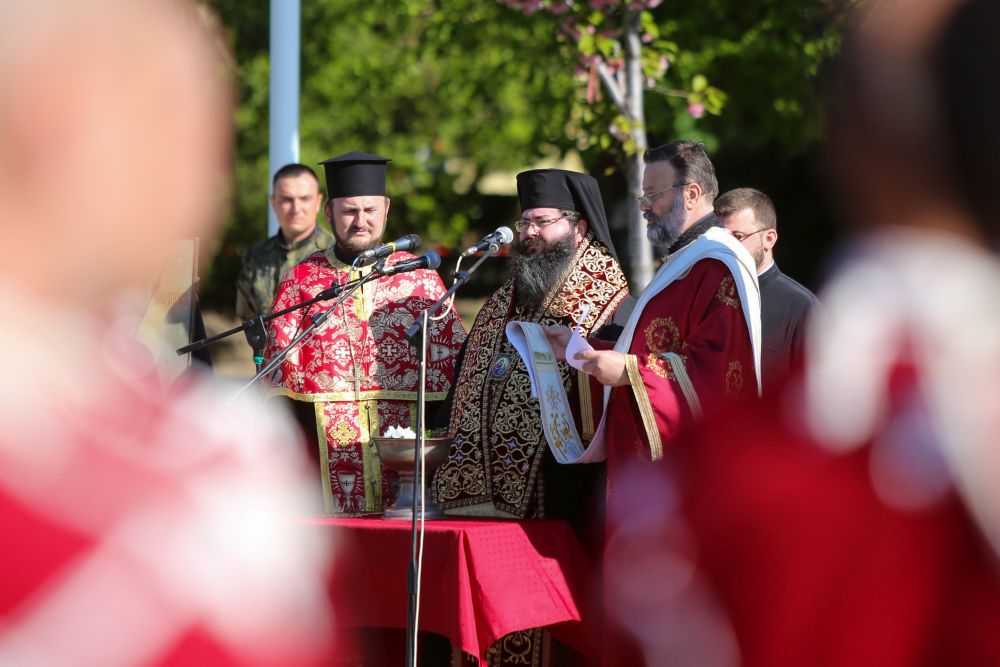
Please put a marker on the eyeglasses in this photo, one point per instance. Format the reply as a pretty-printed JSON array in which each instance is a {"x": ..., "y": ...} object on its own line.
[
  {"x": 739, "y": 236},
  {"x": 537, "y": 224},
  {"x": 647, "y": 200}
]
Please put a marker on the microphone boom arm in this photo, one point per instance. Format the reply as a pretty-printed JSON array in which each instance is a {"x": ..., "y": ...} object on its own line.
[{"x": 315, "y": 322}]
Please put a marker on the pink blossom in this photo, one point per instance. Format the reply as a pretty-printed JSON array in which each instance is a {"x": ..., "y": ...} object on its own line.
[
  {"x": 696, "y": 110},
  {"x": 558, "y": 8},
  {"x": 591, "y": 29},
  {"x": 569, "y": 28},
  {"x": 650, "y": 82},
  {"x": 647, "y": 38},
  {"x": 531, "y": 6}
]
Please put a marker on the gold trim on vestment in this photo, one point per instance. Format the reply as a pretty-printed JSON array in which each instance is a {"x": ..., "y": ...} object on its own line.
[
  {"x": 586, "y": 406},
  {"x": 368, "y": 424},
  {"x": 348, "y": 396},
  {"x": 483, "y": 509},
  {"x": 324, "y": 456},
  {"x": 676, "y": 361},
  {"x": 645, "y": 406}
]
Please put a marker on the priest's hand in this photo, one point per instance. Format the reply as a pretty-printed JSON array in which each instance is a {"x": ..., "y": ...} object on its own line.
[
  {"x": 605, "y": 366},
  {"x": 558, "y": 340}
]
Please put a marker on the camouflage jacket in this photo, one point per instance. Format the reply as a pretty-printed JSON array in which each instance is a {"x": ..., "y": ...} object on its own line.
[{"x": 265, "y": 264}]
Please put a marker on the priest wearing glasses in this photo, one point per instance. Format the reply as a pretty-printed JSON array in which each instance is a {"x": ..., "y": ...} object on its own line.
[{"x": 563, "y": 271}]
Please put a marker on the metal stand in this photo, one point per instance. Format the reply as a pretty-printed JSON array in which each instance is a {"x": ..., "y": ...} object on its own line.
[
  {"x": 417, "y": 335},
  {"x": 255, "y": 329},
  {"x": 314, "y": 323}
]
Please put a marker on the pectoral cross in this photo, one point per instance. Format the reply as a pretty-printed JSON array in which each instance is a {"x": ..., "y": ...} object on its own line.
[{"x": 358, "y": 378}]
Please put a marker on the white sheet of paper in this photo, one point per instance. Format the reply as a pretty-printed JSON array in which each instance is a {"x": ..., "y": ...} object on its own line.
[{"x": 578, "y": 343}]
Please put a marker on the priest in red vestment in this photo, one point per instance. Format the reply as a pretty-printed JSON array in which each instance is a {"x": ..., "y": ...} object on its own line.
[
  {"x": 357, "y": 375},
  {"x": 693, "y": 340},
  {"x": 853, "y": 519}
]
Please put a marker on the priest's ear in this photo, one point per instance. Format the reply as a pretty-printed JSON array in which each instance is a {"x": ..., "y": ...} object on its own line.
[
  {"x": 769, "y": 237},
  {"x": 581, "y": 231},
  {"x": 692, "y": 192}
]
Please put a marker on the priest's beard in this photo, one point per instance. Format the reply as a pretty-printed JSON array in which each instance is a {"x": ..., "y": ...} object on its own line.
[
  {"x": 536, "y": 267},
  {"x": 352, "y": 246},
  {"x": 664, "y": 231}
]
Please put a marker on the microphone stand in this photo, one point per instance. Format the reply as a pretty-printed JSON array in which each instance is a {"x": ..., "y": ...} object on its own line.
[
  {"x": 256, "y": 332},
  {"x": 417, "y": 335},
  {"x": 315, "y": 321}
]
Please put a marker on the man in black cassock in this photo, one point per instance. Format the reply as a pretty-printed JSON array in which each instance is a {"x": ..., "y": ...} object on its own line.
[{"x": 785, "y": 305}]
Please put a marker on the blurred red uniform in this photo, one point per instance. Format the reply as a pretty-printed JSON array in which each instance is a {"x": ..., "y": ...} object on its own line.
[
  {"x": 147, "y": 527},
  {"x": 840, "y": 523}
]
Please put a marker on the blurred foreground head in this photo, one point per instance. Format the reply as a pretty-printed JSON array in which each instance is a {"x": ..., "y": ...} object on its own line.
[
  {"x": 114, "y": 137},
  {"x": 153, "y": 528},
  {"x": 914, "y": 137}
]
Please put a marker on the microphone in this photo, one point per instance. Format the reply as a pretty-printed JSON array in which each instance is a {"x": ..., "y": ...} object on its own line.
[
  {"x": 502, "y": 236},
  {"x": 408, "y": 242},
  {"x": 429, "y": 260}
]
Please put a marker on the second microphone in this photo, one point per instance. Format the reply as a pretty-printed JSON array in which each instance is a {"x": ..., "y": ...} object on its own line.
[{"x": 408, "y": 242}]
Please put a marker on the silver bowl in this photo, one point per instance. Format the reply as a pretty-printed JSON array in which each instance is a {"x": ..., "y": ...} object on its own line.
[{"x": 397, "y": 454}]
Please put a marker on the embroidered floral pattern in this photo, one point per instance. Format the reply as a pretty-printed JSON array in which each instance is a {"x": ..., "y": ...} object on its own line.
[
  {"x": 727, "y": 293},
  {"x": 734, "y": 379}
]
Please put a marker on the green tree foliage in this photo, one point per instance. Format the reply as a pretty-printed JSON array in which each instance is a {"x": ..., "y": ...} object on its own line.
[
  {"x": 455, "y": 89},
  {"x": 450, "y": 90},
  {"x": 765, "y": 55},
  {"x": 727, "y": 72}
]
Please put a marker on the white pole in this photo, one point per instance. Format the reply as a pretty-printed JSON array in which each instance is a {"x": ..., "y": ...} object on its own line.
[{"x": 284, "y": 100}]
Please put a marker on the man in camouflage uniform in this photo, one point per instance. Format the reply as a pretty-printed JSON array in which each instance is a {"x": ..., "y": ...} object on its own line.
[{"x": 296, "y": 201}]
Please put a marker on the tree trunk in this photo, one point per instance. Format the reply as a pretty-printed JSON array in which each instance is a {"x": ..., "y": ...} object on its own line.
[{"x": 639, "y": 249}]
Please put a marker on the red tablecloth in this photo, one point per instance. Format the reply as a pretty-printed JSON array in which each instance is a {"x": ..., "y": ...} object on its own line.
[{"x": 482, "y": 579}]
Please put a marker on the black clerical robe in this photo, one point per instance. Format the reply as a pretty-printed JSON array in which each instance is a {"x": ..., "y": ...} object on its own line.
[{"x": 784, "y": 308}]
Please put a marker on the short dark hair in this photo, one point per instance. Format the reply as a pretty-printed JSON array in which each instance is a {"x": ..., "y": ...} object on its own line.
[
  {"x": 736, "y": 200},
  {"x": 291, "y": 171},
  {"x": 690, "y": 161}
]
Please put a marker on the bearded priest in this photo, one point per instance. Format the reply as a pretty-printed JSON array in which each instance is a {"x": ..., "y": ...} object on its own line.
[
  {"x": 563, "y": 271},
  {"x": 357, "y": 376},
  {"x": 692, "y": 343}
]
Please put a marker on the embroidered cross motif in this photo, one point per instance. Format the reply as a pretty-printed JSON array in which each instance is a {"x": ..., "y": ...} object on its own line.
[
  {"x": 662, "y": 335},
  {"x": 663, "y": 338}
]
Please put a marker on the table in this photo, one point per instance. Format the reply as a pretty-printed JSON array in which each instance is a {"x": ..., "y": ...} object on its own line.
[{"x": 482, "y": 579}]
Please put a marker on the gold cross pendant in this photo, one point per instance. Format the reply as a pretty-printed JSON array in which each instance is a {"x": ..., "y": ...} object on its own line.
[{"x": 357, "y": 378}]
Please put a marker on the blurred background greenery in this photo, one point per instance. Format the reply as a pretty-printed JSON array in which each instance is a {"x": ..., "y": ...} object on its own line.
[{"x": 462, "y": 94}]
